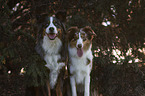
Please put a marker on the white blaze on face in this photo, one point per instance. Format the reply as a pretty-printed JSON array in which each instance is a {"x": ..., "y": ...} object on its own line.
[
  {"x": 51, "y": 25},
  {"x": 79, "y": 46},
  {"x": 79, "y": 41},
  {"x": 51, "y": 30}
]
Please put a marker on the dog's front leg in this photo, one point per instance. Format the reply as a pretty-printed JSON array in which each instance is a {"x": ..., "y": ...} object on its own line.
[
  {"x": 73, "y": 86},
  {"x": 87, "y": 86},
  {"x": 48, "y": 88}
]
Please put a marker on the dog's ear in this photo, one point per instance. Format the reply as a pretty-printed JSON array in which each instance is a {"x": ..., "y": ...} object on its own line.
[
  {"x": 72, "y": 29},
  {"x": 90, "y": 32},
  {"x": 61, "y": 15},
  {"x": 70, "y": 32}
]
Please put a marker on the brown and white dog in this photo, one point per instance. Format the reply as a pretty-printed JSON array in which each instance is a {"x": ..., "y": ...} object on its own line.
[
  {"x": 51, "y": 46},
  {"x": 80, "y": 58}
]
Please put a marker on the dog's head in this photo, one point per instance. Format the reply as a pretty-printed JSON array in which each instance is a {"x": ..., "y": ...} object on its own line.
[
  {"x": 53, "y": 26},
  {"x": 81, "y": 39}
]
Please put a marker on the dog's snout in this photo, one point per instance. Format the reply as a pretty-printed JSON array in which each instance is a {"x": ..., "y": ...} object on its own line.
[
  {"x": 79, "y": 45},
  {"x": 51, "y": 29}
]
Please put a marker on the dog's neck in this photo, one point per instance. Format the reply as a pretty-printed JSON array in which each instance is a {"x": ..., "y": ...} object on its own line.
[{"x": 51, "y": 46}]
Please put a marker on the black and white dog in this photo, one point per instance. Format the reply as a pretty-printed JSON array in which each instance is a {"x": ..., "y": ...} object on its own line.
[
  {"x": 80, "y": 58},
  {"x": 51, "y": 47}
]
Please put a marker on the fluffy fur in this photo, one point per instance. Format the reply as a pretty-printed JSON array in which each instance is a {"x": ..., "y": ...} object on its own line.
[
  {"x": 80, "y": 58},
  {"x": 50, "y": 47}
]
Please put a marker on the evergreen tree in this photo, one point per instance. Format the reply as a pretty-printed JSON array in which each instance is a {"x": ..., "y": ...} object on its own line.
[{"x": 119, "y": 25}]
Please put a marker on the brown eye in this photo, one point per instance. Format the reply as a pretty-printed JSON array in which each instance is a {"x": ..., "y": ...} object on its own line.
[
  {"x": 84, "y": 39},
  {"x": 59, "y": 30},
  {"x": 74, "y": 39},
  {"x": 55, "y": 23}
]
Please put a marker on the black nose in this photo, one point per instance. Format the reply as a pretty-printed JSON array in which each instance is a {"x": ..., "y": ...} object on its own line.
[
  {"x": 51, "y": 29},
  {"x": 79, "y": 45}
]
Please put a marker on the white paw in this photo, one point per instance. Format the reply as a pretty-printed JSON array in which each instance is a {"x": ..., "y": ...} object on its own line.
[
  {"x": 47, "y": 65},
  {"x": 61, "y": 64}
]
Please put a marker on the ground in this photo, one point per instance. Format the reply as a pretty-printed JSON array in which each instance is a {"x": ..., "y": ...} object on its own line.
[{"x": 12, "y": 85}]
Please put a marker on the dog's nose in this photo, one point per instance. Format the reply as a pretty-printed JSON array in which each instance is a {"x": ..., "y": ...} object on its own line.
[
  {"x": 51, "y": 29},
  {"x": 79, "y": 45}
]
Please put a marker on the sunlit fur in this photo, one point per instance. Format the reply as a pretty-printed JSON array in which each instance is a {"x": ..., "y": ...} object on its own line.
[{"x": 80, "y": 67}]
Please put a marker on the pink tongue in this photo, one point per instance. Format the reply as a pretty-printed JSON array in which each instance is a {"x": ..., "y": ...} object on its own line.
[
  {"x": 52, "y": 36},
  {"x": 79, "y": 52}
]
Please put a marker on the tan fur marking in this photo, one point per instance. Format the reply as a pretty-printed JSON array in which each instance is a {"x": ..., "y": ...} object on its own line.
[
  {"x": 59, "y": 33},
  {"x": 44, "y": 32},
  {"x": 88, "y": 61},
  {"x": 87, "y": 44},
  {"x": 73, "y": 44}
]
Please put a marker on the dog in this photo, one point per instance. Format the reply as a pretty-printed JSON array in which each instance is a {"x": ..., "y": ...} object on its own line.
[
  {"x": 51, "y": 47},
  {"x": 80, "y": 58}
]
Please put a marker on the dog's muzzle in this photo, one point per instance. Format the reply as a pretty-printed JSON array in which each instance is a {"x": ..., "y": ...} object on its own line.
[
  {"x": 80, "y": 50},
  {"x": 52, "y": 35}
]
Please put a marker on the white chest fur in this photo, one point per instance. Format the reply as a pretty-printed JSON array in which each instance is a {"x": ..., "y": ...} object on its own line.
[
  {"x": 52, "y": 48},
  {"x": 78, "y": 65},
  {"x": 80, "y": 70}
]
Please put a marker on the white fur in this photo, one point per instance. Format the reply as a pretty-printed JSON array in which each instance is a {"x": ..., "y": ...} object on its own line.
[
  {"x": 51, "y": 25},
  {"x": 79, "y": 41},
  {"x": 80, "y": 70},
  {"x": 51, "y": 57}
]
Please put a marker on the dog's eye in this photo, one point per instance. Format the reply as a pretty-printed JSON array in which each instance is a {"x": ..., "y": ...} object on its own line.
[
  {"x": 59, "y": 30},
  {"x": 55, "y": 23},
  {"x": 84, "y": 39},
  {"x": 46, "y": 25},
  {"x": 74, "y": 39}
]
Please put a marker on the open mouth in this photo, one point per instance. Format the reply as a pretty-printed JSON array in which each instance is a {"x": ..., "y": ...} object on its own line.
[
  {"x": 80, "y": 52},
  {"x": 52, "y": 36}
]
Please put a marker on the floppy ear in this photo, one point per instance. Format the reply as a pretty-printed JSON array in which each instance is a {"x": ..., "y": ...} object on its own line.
[
  {"x": 71, "y": 31},
  {"x": 90, "y": 32},
  {"x": 61, "y": 15}
]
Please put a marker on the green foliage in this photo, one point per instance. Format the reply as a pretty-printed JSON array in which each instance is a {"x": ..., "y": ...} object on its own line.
[{"x": 36, "y": 72}]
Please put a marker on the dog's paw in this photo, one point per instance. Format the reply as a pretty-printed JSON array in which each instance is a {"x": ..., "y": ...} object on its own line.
[
  {"x": 61, "y": 64},
  {"x": 47, "y": 65}
]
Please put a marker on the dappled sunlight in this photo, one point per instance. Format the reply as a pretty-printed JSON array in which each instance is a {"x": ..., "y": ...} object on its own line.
[
  {"x": 119, "y": 57},
  {"x": 9, "y": 72},
  {"x": 22, "y": 71},
  {"x": 142, "y": 50},
  {"x": 118, "y": 47},
  {"x": 107, "y": 23}
]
